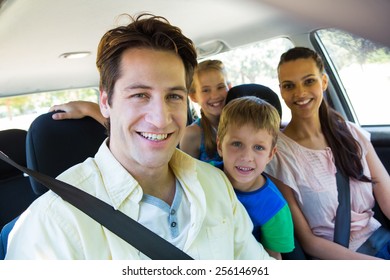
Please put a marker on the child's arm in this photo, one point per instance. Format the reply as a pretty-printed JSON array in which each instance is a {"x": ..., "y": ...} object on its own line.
[
  {"x": 274, "y": 254},
  {"x": 78, "y": 110}
]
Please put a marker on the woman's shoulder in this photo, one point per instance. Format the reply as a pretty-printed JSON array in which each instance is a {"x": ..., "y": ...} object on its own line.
[
  {"x": 285, "y": 144},
  {"x": 357, "y": 131}
]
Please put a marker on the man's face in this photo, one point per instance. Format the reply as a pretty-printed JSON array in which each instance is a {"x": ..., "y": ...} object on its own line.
[{"x": 148, "y": 111}]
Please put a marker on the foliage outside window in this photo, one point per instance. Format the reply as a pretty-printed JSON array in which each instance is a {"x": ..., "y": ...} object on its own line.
[
  {"x": 20, "y": 111},
  {"x": 257, "y": 63},
  {"x": 364, "y": 69}
]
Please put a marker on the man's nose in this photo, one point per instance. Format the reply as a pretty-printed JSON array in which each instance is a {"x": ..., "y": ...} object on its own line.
[{"x": 159, "y": 114}]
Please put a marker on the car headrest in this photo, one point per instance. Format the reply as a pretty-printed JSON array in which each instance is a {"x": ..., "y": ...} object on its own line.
[
  {"x": 13, "y": 144},
  {"x": 52, "y": 146},
  {"x": 258, "y": 90}
]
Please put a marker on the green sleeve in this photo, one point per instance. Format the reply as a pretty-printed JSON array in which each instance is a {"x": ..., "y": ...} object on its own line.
[{"x": 278, "y": 233}]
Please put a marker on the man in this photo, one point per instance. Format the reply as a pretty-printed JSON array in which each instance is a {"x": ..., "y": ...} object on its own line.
[{"x": 145, "y": 70}]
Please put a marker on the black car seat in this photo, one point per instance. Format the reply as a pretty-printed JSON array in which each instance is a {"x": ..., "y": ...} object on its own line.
[
  {"x": 15, "y": 189},
  {"x": 53, "y": 146},
  {"x": 257, "y": 90}
]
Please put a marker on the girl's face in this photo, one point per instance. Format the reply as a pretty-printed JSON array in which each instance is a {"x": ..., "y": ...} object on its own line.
[
  {"x": 302, "y": 86},
  {"x": 210, "y": 92}
]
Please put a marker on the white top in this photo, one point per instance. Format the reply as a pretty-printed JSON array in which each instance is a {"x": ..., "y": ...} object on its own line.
[{"x": 311, "y": 175}]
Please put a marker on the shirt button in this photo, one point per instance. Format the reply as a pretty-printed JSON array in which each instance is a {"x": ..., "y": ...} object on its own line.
[
  {"x": 173, "y": 212},
  {"x": 173, "y": 224}
]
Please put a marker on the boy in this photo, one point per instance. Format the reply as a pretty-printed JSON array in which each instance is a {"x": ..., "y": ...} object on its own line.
[{"x": 246, "y": 141}]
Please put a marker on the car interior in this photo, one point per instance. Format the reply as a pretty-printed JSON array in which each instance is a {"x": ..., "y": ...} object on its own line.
[{"x": 39, "y": 40}]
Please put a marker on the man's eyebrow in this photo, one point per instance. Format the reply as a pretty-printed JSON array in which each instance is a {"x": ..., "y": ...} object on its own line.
[
  {"x": 143, "y": 86},
  {"x": 179, "y": 88},
  {"x": 138, "y": 86}
]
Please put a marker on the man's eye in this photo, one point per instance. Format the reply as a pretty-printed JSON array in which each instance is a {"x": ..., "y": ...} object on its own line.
[
  {"x": 139, "y": 95},
  {"x": 175, "y": 97}
]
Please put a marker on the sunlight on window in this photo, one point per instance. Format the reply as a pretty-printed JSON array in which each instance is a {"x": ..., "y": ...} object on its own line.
[
  {"x": 20, "y": 111},
  {"x": 257, "y": 63},
  {"x": 364, "y": 69}
]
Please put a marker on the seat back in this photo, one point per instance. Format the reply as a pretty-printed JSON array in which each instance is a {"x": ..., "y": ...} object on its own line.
[
  {"x": 53, "y": 146},
  {"x": 257, "y": 90},
  {"x": 4, "y": 237},
  {"x": 15, "y": 190}
]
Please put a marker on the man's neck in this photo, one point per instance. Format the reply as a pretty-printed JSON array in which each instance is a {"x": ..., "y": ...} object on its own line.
[{"x": 159, "y": 184}]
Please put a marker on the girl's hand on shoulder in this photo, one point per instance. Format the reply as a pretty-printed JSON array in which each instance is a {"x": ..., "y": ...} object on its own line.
[{"x": 77, "y": 110}]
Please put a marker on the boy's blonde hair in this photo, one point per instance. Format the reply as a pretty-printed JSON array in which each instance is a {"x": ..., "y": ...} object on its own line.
[{"x": 250, "y": 110}]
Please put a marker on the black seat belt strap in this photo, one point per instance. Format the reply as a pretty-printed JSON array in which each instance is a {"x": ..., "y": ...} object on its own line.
[
  {"x": 342, "y": 228},
  {"x": 146, "y": 241}
]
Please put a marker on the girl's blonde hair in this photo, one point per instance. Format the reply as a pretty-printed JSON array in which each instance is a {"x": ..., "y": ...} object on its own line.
[
  {"x": 209, "y": 136},
  {"x": 250, "y": 110}
]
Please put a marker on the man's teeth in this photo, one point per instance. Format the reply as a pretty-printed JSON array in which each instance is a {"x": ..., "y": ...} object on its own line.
[{"x": 155, "y": 137}]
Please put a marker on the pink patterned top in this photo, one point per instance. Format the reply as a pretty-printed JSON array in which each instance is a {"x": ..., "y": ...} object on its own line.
[{"x": 311, "y": 175}]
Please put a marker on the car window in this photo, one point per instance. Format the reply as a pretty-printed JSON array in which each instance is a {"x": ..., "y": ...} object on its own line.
[
  {"x": 363, "y": 68},
  {"x": 256, "y": 63},
  {"x": 20, "y": 111}
]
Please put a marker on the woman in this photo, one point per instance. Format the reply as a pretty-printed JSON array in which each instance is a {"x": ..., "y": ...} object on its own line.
[{"x": 316, "y": 140}]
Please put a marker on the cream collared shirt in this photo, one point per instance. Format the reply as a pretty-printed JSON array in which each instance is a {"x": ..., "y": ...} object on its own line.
[{"x": 51, "y": 228}]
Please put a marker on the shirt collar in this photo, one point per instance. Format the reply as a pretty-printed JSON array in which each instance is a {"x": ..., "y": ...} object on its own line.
[
  {"x": 117, "y": 180},
  {"x": 120, "y": 184}
]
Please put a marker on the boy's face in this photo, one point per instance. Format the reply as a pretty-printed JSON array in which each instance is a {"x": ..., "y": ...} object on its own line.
[
  {"x": 245, "y": 152},
  {"x": 148, "y": 112}
]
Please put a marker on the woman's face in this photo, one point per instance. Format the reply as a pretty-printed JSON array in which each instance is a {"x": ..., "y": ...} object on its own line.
[{"x": 302, "y": 85}]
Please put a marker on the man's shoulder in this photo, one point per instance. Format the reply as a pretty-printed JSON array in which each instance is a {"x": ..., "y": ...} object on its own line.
[{"x": 80, "y": 173}]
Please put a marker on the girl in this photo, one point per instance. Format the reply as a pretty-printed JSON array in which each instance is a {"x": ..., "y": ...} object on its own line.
[{"x": 209, "y": 89}]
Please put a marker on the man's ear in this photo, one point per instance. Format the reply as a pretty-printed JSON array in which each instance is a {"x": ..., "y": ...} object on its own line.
[{"x": 104, "y": 106}]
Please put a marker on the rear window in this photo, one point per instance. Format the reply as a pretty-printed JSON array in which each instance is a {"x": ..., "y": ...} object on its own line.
[
  {"x": 257, "y": 63},
  {"x": 363, "y": 68},
  {"x": 20, "y": 111}
]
